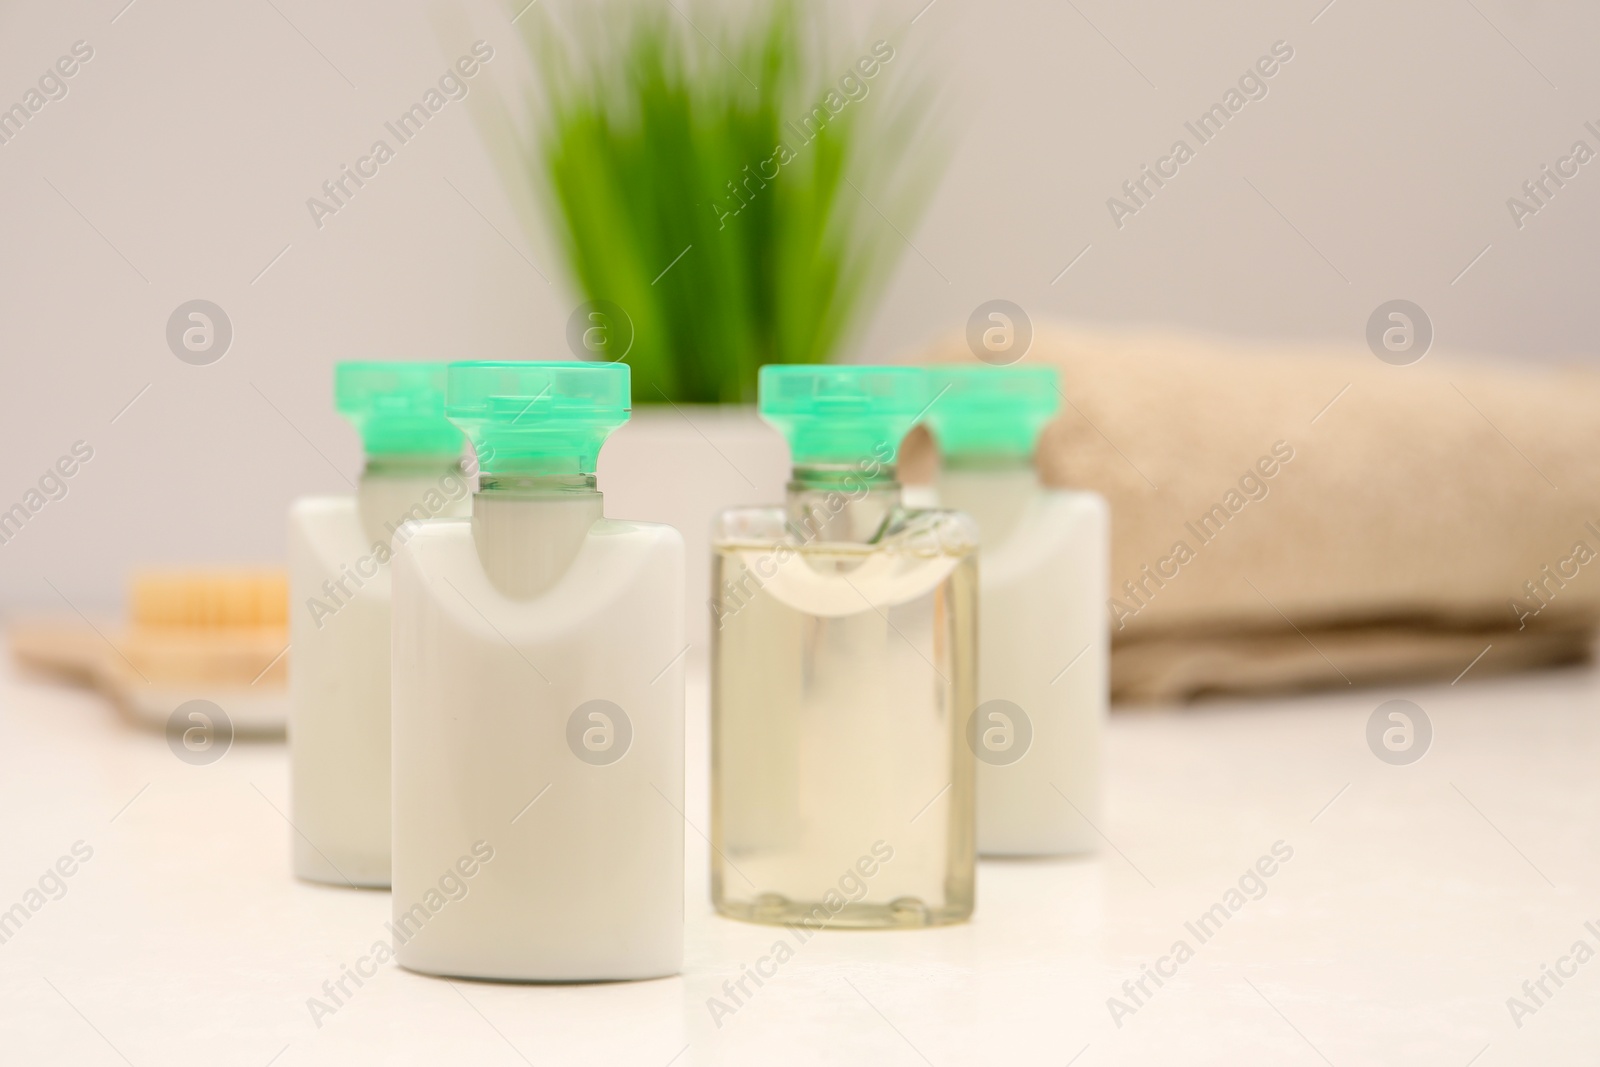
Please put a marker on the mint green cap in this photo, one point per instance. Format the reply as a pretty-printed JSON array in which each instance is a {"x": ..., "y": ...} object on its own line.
[
  {"x": 991, "y": 411},
  {"x": 532, "y": 418},
  {"x": 841, "y": 415},
  {"x": 398, "y": 408}
]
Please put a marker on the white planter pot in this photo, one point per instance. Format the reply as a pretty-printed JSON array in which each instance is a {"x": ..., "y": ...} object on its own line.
[{"x": 682, "y": 465}]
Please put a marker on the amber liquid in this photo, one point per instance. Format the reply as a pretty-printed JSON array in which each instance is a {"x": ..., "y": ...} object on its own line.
[{"x": 842, "y": 783}]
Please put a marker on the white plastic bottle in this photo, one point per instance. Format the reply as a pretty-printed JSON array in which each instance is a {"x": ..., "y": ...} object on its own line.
[
  {"x": 339, "y": 550},
  {"x": 538, "y": 702},
  {"x": 1043, "y": 641}
]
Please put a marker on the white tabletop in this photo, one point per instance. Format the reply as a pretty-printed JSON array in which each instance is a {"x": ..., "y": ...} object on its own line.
[{"x": 1417, "y": 901}]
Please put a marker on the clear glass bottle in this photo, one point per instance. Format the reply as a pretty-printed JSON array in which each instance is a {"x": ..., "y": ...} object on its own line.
[
  {"x": 538, "y": 702},
  {"x": 843, "y": 669},
  {"x": 339, "y": 549},
  {"x": 1043, "y": 645}
]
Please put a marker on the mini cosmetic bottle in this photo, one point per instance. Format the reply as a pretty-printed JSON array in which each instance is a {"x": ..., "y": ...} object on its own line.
[
  {"x": 1042, "y": 634},
  {"x": 843, "y": 670},
  {"x": 538, "y": 702},
  {"x": 339, "y": 549}
]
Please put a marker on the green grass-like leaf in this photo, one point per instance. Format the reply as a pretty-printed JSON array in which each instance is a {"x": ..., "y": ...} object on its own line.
[{"x": 656, "y": 146}]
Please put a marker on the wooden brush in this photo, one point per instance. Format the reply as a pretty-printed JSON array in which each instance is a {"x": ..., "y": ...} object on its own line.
[{"x": 216, "y": 635}]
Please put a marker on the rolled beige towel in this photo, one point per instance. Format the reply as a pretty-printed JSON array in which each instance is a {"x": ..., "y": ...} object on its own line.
[{"x": 1294, "y": 515}]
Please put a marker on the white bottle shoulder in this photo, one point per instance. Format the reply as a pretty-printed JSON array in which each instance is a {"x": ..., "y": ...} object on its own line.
[
  {"x": 1059, "y": 528},
  {"x": 622, "y": 566},
  {"x": 327, "y": 531},
  {"x": 333, "y": 562},
  {"x": 326, "y": 534},
  {"x": 321, "y": 508},
  {"x": 1074, "y": 502}
]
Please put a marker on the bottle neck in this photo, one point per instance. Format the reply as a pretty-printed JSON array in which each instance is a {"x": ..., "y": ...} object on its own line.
[
  {"x": 525, "y": 486},
  {"x": 529, "y": 528},
  {"x": 841, "y": 503},
  {"x": 425, "y": 465},
  {"x": 396, "y": 489}
]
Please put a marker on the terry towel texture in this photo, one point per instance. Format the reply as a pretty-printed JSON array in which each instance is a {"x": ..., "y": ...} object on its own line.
[{"x": 1295, "y": 516}]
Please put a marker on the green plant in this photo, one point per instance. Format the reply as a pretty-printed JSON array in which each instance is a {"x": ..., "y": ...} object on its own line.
[{"x": 726, "y": 193}]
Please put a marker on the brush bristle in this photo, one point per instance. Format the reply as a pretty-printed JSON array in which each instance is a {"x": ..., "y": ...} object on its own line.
[{"x": 217, "y": 599}]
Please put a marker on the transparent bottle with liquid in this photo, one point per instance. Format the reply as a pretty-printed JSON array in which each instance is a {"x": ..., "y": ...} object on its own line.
[
  {"x": 339, "y": 596},
  {"x": 1043, "y": 637},
  {"x": 538, "y": 702},
  {"x": 843, "y": 667}
]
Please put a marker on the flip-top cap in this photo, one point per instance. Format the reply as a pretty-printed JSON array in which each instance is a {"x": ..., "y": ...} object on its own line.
[
  {"x": 527, "y": 418},
  {"x": 841, "y": 415},
  {"x": 398, "y": 408},
  {"x": 991, "y": 411}
]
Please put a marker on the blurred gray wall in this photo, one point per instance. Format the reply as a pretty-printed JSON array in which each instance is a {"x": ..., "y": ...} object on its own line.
[{"x": 178, "y": 163}]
